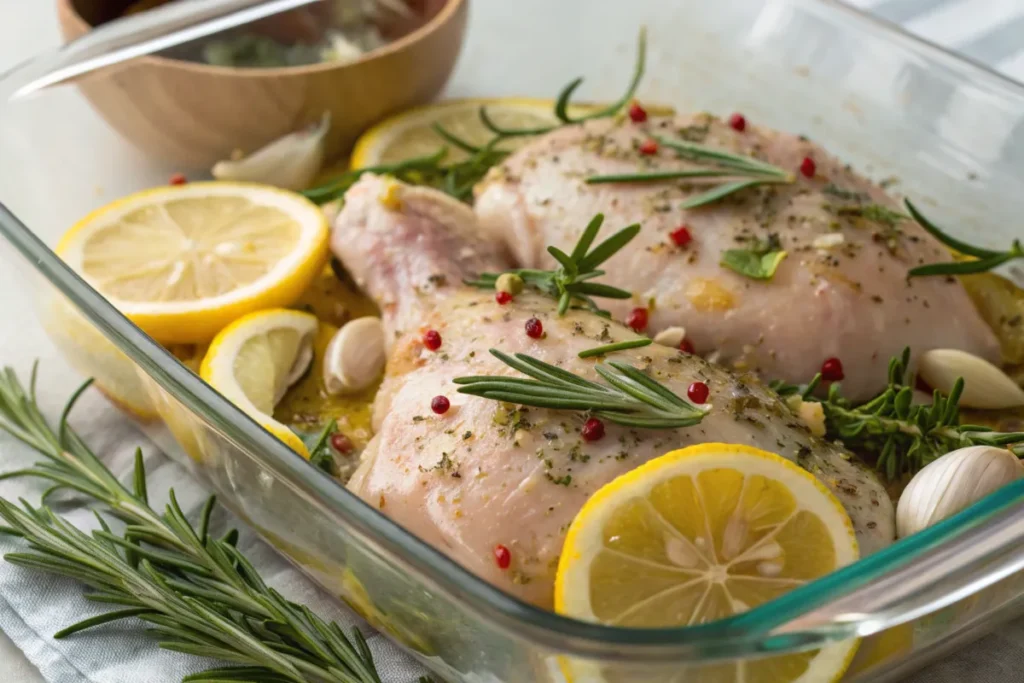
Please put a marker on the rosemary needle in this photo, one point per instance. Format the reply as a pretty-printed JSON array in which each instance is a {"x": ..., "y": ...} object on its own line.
[
  {"x": 617, "y": 346},
  {"x": 984, "y": 259}
]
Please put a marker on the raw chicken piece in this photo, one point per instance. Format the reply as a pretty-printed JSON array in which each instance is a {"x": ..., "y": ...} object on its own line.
[
  {"x": 484, "y": 474},
  {"x": 841, "y": 291}
]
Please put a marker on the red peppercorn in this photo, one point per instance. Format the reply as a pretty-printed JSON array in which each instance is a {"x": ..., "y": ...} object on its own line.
[
  {"x": 698, "y": 392},
  {"x": 341, "y": 443},
  {"x": 593, "y": 430},
  {"x": 832, "y": 370},
  {"x": 637, "y": 319},
  {"x": 503, "y": 298},
  {"x": 440, "y": 405},
  {"x": 502, "y": 556},
  {"x": 738, "y": 122},
  {"x": 648, "y": 147},
  {"x": 178, "y": 179},
  {"x": 637, "y": 114},
  {"x": 808, "y": 167},
  {"x": 432, "y": 339},
  {"x": 681, "y": 236},
  {"x": 534, "y": 328},
  {"x": 686, "y": 346}
]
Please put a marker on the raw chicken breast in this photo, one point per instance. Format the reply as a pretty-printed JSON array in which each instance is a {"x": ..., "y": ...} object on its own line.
[
  {"x": 484, "y": 473},
  {"x": 841, "y": 292}
]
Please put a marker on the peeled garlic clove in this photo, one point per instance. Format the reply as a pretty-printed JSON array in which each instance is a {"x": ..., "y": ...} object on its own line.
[
  {"x": 290, "y": 162},
  {"x": 952, "y": 483},
  {"x": 354, "y": 358},
  {"x": 671, "y": 336},
  {"x": 985, "y": 385}
]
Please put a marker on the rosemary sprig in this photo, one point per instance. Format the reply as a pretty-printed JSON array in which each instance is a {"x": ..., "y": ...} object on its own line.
[
  {"x": 457, "y": 179},
  {"x": 617, "y": 346},
  {"x": 744, "y": 171},
  {"x": 410, "y": 170},
  {"x": 904, "y": 437},
  {"x": 629, "y": 398},
  {"x": 985, "y": 259},
  {"x": 572, "y": 281},
  {"x": 199, "y": 594}
]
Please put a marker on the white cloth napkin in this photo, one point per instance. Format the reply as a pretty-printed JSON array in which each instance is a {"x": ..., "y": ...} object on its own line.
[{"x": 33, "y": 606}]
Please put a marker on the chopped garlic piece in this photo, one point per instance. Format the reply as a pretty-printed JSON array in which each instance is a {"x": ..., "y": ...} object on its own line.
[{"x": 829, "y": 241}]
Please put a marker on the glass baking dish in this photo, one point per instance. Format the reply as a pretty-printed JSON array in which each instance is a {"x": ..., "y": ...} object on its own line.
[{"x": 951, "y": 131}]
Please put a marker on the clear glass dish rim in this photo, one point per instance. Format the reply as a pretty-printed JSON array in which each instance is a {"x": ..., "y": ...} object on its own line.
[{"x": 751, "y": 633}]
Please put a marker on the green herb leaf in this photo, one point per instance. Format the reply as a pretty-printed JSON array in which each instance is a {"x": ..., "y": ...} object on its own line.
[{"x": 757, "y": 264}]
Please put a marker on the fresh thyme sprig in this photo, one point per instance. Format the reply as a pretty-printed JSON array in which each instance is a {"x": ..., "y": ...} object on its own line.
[
  {"x": 984, "y": 259},
  {"x": 199, "y": 594},
  {"x": 629, "y": 398},
  {"x": 903, "y": 436},
  {"x": 743, "y": 171},
  {"x": 572, "y": 280},
  {"x": 457, "y": 179}
]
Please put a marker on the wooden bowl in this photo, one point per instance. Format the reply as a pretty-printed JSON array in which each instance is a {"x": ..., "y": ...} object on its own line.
[{"x": 193, "y": 115}]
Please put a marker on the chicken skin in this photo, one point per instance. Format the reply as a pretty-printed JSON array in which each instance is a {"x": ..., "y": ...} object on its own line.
[
  {"x": 840, "y": 292},
  {"x": 482, "y": 473}
]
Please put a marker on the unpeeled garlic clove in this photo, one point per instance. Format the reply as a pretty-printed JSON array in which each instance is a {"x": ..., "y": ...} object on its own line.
[
  {"x": 290, "y": 162},
  {"x": 952, "y": 483},
  {"x": 671, "y": 336},
  {"x": 985, "y": 385},
  {"x": 354, "y": 358}
]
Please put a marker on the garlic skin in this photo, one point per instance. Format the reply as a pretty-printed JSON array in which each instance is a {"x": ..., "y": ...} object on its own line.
[
  {"x": 985, "y": 385},
  {"x": 355, "y": 356},
  {"x": 290, "y": 162},
  {"x": 952, "y": 483}
]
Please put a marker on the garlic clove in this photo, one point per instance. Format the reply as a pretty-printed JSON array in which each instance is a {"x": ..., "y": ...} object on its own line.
[
  {"x": 354, "y": 358},
  {"x": 985, "y": 385},
  {"x": 671, "y": 336},
  {"x": 952, "y": 483},
  {"x": 290, "y": 162}
]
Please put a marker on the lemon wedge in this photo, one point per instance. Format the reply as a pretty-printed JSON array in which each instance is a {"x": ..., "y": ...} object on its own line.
[
  {"x": 254, "y": 360},
  {"x": 701, "y": 534},
  {"x": 410, "y": 134},
  {"x": 184, "y": 261}
]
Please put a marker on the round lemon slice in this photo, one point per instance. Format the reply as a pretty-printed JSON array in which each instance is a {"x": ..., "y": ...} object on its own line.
[
  {"x": 254, "y": 360},
  {"x": 410, "y": 134},
  {"x": 701, "y": 534},
  {"x": 184, "y": 261}
]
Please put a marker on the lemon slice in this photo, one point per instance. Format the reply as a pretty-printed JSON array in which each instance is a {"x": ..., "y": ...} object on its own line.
[
  {"x": 184, "y": 261},
  {"x": 701, "y": 534},
  {"x": 409, "y": 134},
  {"x": 254, "y": 360}
]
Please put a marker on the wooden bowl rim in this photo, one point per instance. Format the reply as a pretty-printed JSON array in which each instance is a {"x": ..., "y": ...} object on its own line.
[{"x": 446, "y": 13}]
